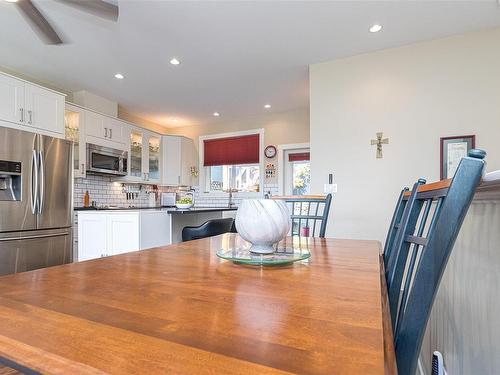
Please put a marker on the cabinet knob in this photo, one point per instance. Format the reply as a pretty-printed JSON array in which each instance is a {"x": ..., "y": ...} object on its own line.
[
  {"x": 83, "y": 168},
  {"x": 110, "y": 133},
  {"x": 22, "y": 114},
  {"x": 105, "y": 132},
  {"x": 30, "y": 121}
]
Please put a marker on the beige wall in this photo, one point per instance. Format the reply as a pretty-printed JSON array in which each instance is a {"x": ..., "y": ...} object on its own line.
[
  {"x": 279, "y": 128},
  {"x": 124, "y": 115},
  {"x": 415, "y": 95}
]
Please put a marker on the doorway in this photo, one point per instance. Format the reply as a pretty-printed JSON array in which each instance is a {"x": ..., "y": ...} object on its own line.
[{"x": 295, "y": 176}]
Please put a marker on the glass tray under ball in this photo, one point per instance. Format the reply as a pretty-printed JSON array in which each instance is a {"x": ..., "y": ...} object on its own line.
[{"x": 282, "y": 255}]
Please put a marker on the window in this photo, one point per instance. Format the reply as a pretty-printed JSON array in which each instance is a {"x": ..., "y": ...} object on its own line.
[
  {"x": 245, "y": 178},
  {"x": 231, "y": 161}
]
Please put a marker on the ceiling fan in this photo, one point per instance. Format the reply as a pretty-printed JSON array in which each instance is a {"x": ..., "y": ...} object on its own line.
[{"x": 43, "y": 28}]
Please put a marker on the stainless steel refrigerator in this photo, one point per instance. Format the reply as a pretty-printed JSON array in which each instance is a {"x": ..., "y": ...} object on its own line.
[{"x": 36, "y": 183}]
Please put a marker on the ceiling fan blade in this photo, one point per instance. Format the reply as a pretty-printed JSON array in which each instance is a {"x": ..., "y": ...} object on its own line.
[
  {"x": 38, "y": 22},
  {"x": 98, "y": 8}
]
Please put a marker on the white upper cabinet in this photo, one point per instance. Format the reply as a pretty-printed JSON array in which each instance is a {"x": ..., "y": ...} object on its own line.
[
  {"x": 31, "y": 107},
  {"x": 44, "y": 109},
  {"x": 178, "y": 156},
  {"x": 105, "y": 131},
  {"x": 94, "y": 125},
  {"x": 11, "y": 99},
  {"x": 116, "y": 130},
  {"x": 171, "y": 171}
]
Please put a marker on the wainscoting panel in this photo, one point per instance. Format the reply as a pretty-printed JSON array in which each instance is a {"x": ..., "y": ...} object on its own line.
[{"x": 465, "y": 320}]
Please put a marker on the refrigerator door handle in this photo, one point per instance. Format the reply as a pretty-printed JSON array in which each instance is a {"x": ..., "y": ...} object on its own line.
[
  {"x": 42, "y": 182},
  {"x": 33, "y": 237},
  {"x": 33, "y": 181}
]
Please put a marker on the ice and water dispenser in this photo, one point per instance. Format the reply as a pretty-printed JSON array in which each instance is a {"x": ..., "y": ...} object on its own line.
[{"x": 10, "y": 180}]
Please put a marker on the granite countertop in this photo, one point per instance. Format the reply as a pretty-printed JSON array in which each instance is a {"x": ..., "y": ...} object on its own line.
[
  {"x": 170, "y": 210},
  {"x": 116, "y": 208},
  {"x": 199, "y": 209}
]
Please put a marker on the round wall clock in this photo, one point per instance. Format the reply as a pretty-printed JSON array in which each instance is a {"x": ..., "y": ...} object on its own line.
[{"x": 270, "y": 151}]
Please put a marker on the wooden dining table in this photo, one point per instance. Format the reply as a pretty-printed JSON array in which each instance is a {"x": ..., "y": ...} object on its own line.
[{"x": 180, "y": 309}]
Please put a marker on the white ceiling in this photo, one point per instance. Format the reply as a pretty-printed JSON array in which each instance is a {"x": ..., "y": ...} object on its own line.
[{"x": 236, "y": 56}]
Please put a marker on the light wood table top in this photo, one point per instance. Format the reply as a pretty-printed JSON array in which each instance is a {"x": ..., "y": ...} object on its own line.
[{"x": 181, "y": 310}]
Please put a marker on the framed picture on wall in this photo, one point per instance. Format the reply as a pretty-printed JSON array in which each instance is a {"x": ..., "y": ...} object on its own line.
[{"x": 453, "y": 149}]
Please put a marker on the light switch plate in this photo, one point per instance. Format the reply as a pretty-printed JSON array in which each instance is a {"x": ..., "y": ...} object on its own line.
[{"x": 330, "y": 188}]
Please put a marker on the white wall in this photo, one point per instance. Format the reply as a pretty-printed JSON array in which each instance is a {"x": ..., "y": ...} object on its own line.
[
  {"x": 279, "y": 128},
  {"x": 415, "y": 94}
]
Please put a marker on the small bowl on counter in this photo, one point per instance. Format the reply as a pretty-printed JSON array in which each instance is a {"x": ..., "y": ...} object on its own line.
[{"x": 183, "y": 206}]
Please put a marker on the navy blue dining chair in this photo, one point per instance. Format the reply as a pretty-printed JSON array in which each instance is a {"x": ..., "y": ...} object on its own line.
[
  {"x": 309, "y": 213},
  {"x": 420, "y": 250}
]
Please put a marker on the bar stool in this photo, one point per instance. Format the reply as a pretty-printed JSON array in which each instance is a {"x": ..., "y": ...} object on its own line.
[{"x": 209, "y": 228}]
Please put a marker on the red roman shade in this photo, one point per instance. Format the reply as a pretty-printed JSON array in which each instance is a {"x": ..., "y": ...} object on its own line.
[
  {"x": 299, "y": 156},
  {"x": 231, "y": 150}
]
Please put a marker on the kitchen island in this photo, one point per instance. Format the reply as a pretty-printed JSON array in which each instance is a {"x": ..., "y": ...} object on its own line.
[
  {"x": 181, "y": 310},
  {"x": 104, "y": 231}
]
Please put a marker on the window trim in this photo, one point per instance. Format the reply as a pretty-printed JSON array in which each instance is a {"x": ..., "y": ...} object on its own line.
[{"x": 201, "y": 168}]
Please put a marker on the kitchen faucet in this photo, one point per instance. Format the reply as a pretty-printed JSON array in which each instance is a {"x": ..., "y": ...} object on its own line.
[{"x": 230, "y": 202}]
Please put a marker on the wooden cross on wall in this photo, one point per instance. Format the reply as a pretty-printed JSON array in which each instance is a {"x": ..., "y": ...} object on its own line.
[{"x": 379, "y": 142}]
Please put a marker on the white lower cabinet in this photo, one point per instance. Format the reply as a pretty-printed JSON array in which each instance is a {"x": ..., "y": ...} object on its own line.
[
  {"x": 105, "y": 233},
  {"x": 123, "y": 233},
  {"x": 92, "y": 235}
]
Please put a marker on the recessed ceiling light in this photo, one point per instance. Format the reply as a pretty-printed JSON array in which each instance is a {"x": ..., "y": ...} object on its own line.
[
  {"x": 216, "y": 114},
  {"x": 375, "y": 28},
  {"x": 267, "y": 106},
  {"x": 119, "y": 76},
  {"x": 175, "y": 61},
  {"x": 11, "y": 1}
]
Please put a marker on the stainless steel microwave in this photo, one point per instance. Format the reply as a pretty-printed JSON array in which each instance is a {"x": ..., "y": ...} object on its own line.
[{"x": 106, "y": 160}]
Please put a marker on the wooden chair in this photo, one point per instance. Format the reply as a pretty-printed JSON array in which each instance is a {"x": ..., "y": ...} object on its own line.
[
  {"x": 421, "y": 248},
  {"x": 308, "y": 212},
  {"x": 209, "y": 228}
]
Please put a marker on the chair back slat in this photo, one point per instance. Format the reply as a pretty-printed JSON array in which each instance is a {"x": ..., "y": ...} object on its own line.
[
  {"x": 395, "y": 224},
  {"x": 395, "y": 262},
  {"x": 307, "y": 211},
  {"x": 315, "y": 214},
  {"x": 421, "y": 247}
]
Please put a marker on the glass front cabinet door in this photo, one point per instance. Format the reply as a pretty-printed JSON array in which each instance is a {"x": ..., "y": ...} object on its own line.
[
  {"x": 153, "y": 173},
  {"x": 144, "y": 156},
  {"x": 136, "y": 155},
  {"x": 74, "y": 120}
]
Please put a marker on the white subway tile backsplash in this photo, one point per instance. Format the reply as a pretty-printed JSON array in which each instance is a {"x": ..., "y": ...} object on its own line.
[{"x": 106, "y": 191}]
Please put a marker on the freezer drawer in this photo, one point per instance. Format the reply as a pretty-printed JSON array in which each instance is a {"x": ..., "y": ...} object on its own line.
[{"x": 26, "y": 251}]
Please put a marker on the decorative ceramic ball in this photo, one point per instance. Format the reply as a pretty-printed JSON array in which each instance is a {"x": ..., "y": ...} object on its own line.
[{"x": 263, "y": 223}]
